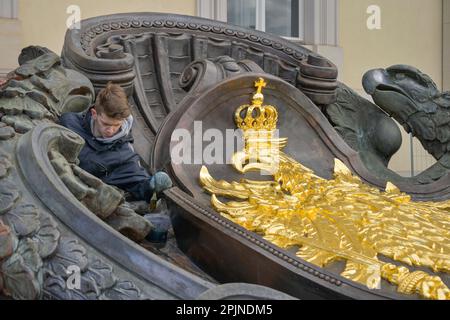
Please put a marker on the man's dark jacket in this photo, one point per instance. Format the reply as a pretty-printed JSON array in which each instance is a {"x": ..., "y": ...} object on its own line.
[{"x": 114, "y": 163}]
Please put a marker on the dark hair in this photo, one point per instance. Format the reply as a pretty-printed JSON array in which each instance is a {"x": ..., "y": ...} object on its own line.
[{"x": 113, "y": 101}]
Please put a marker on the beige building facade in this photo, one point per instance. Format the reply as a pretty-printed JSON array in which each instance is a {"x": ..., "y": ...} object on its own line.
[
  {"x": 44, "y": 22},
  {"x": 357, "y": 35}
]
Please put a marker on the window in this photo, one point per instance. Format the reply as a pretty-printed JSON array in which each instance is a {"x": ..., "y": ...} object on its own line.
[
  {"x": 313, "y": 22},
  {"x": 8, "y": 9},
  {"x": 280, "y": 17}
]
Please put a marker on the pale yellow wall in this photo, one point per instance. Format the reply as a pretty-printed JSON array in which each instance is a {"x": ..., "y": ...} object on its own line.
[
  {"x": 446, "y": 59},
  {"x": 411, "y": 33},
  {"x": 10, "y": 44},
  {"x": 44, "y": 21}
]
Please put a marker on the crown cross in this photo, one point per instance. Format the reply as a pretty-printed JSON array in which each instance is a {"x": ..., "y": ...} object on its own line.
[{"x": 260, "y": 84}]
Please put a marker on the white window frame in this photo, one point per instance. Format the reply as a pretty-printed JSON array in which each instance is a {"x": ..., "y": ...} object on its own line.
[
  {"x": 9, "y": 9},
  {"x": 319, "y": 23}
]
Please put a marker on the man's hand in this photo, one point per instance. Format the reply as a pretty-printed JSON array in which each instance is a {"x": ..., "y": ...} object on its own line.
[{"x": 160, "y": 182}]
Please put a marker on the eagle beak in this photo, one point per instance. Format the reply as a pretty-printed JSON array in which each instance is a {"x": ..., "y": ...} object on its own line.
[{"x": 373, "y": 78}]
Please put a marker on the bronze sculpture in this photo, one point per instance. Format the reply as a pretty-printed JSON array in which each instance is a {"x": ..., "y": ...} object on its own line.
[
  {"x": 331, "y": 220},
  {"x": 412, "y": 98},
  {"x": 176, "y": 70}
]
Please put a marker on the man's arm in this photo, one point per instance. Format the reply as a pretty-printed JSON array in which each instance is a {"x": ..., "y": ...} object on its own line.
[
  {"x": 130, "y": 176},
  {"x": 133, "y": 178}
]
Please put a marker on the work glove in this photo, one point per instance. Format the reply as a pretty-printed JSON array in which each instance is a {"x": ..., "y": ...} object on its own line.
[{"x": 160, "y": 182}]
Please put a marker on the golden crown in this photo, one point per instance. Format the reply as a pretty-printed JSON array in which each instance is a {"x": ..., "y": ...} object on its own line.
[{"x": 257, "y": 116}]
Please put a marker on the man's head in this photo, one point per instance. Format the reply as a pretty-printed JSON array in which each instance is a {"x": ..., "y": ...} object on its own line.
[{"x": 110, "y": 110}]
